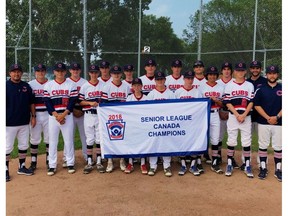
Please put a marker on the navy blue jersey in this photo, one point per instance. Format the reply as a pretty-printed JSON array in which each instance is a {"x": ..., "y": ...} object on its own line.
[
  {"x": 257, "y": 84},
  {"x": 19, "y": 97},
  {"x": 270, "y": 99}
]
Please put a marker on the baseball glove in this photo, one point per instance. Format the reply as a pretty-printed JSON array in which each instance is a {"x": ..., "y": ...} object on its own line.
[
  {"x": 224, "y": 115},
  {"x": 78, "y": 113}
]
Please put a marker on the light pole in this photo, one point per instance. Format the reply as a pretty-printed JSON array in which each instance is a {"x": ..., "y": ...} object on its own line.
[
  {"x": 139, "y": 38},
  {"x": 30, "y": 40},
  {"x": 85, "y": 38},
  {"x": 200, "y": 31},
  {"x": 255, "y": 27}
]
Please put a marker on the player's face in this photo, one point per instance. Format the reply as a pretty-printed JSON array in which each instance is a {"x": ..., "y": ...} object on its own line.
[
  {"x": 128, "y": 74},
  {"x": 15, "y": 75},
  {"x": 160, "y": 82},
  {"x": 255, "y": 71},
  {"x": 93, "y": 75},
  {"x": 272, "y": 77},
  {"x": 60, "y": 74},
  {"x": 40, "y": 74},
  {"x": 198, "y": 70},
  {"x": 212, "y": 77},
  {"x": 137, "y": 87},
  {"x": 176, "y": 71},
  {"x": 104, "y": 71},
  {"x": 75, "y": 72},
  {"x": 116, "y": 77},
  {"x": 226, "y": 72},
  {"x": 150, "y": 69},
  {"x": 240, "y": 74},
  {"x": 188, "y": 81}
]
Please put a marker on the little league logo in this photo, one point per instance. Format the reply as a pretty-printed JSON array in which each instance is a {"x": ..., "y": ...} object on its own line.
[{"x": 116, "y": 129}]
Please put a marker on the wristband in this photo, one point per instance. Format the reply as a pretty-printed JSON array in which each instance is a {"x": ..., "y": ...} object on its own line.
[{"x": 33, "y": 116}]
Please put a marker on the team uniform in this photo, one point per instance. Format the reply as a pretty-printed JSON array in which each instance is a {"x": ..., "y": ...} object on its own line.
[
  {"x": 198, "y": 82},
  {"x": 173, "y": 83},
  {"x": 132, "y": 97},
  {"x": 148, "y": 84},
  {"x": 60, "y": 97},
  {"x": 103, "y": 81}
]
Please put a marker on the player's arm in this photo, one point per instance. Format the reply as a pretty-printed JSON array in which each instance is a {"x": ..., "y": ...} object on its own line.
[
  {"x": 33, "y": 115},
  {"x": 89, "y": 103}
]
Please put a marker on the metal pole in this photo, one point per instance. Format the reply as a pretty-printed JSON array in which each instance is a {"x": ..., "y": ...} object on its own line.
[
  {"x": 139, "y": 38},
  {"x": 200, "y": 31},
  {"x": 85, "y": 37},
  {"x": 255, "y": 29},
  {"x": 16, "y": 57},
  {"x": 30, "y": 39}
]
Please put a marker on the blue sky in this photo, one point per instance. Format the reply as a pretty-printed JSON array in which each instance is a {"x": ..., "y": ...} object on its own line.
[{"x": 179, "y": 12}]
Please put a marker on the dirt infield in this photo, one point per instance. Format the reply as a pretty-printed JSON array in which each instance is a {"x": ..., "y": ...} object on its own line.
[{"x": 135, "y": 194}]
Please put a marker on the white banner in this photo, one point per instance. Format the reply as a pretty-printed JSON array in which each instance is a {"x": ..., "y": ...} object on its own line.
[{"x": 154, "y": 128}]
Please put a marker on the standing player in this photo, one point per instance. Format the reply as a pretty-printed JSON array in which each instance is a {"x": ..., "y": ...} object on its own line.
[
  {"x": 42, "y": 116},
  {"x": 60, "y": 96},
  {"x": 184, "y": 92},
  {"x": 211, "y": 89},
  {"x": 128, "y": 72},
  {"x": 239, "y": 101},
  {"x": 160, "y": 93},
  {"x": 20, "y": 110},
  {"x": 104, "y": 70},
  {"x": 136, "y": 96},
  {"x": 90, "y": 96},
  {"x": 175, "y": 80},
  {"x": 268, "y": 103},
  {"x": 116, "y": 91},
  {"x": 148, "y": 79}
]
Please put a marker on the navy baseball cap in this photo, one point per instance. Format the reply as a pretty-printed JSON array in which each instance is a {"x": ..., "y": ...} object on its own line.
[
  {"x": 272, "y": 68},
  {"x": 93, "y": 68},
  {"x": 40, "y": 67},
  {"x": 240, "y": 66},
  {"x": 75, "y": 66},
  {"x": 255, "y": 64},
  {"x": 189, "y": 74},
  {"x": 128, "y": 67},
  {"x": 176, "y": 63},
  {"x": 150, "y": 62},
  {"x": 226, "y": 64},
  {"x": 59, "y": 66},
  {"x": 159, "y": 75},
  {"x": 15, "y": 67},
  {"x": 116, "y": 69},
  {"x": 137, "y": 81},
  {"x": 198, "y": 63},
  {"x": 212, "y": 70},
  {"x": 104, "y": 64}
]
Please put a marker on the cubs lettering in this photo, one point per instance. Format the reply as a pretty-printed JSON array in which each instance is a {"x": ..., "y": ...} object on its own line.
[
  {"x": 213, "y": 94},
  {"x": 60, "y": 92},
  {"x": 239, "y": 93},
  {"x": 149, "y": 87},
  {"x": 94, "y": 94},
  {"x": 118, "y": 95}
]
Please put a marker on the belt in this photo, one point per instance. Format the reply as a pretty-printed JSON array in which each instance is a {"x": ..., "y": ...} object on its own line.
[
  {"x": 213, "y": 111},
  {"x": 91, "y": 111}
]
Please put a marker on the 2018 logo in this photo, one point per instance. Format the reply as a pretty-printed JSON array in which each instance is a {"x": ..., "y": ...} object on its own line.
[{"x": 116, "y": 129}]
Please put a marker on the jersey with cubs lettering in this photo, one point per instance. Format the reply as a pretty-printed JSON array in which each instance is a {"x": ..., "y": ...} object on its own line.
[
  {"x": 132, "y": 97},
  {"x": 198, "y": 82},
  {"x": 105, "y": 81},
  {"x": 60, "y": 96},
  {"x": 115, "y": 93},
  {"x": 174, "y": 83},
  {"x": 239, "y": 95},
  {"x": 148, "y": 84},
  {"x": 38, "y": 89},
  {"x": 184, "y": 93},
  {"x": 208, "y": 91},
  {"x": 160, "y": 95},
  {"x": 223, "y": 83},
  {"x": 91, "y": 92}
]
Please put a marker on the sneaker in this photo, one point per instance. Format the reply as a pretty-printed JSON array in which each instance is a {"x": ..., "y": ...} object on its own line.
[
  {"x": 168, "y": 172},
  {"x": 100, "y": 168},
  {"x": 243, "y": 167},
  {"x": 151, "y": 172},
  {"x": 33, "y": 166},
  {"x": 182, "y": 171},
  {"x": 216, "y": 168},
  {"x": 7, "y": 176},
  {"x": 109, "y": 167},
  {"x": 248, "y": 172},
  {"x": 263, "y": 173},
  {"x": 234, "y": 164},
  {"x": 278, "y": 175},
  {"x": 207, "y": 159},
  {"x": 229, "y": 170},
  {"x": 87, "y": 169},
  {"x": 71, "y": 169},
  {"x": 122, "y": 164},
  {"x": 64, "y": 165},
  {"x": 51, "y": 171},
  {"x": 144, "y": 169},
  {"x": 129, "y": 168},
  {"x": 200, "y": 168},
  {"x": 25, "y": 171},
  {"x": 194, "y": 171}
]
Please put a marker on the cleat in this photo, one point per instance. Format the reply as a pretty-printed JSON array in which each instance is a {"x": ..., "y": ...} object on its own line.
[
  {"x": 144, "y": 169},
  {"x": 33, "y": 166},
  {"x": 200, "y": 168},
  {"x": 263, "y": 173},
  {"x": 122, "y": 164},
  {"x": 109, "y": 167},
  {"x": 100, "y": 168},
  {"x": 7, "y": 176},
  {"x": 51, "y": 171},
  {"x": 278, "y": 175},
  {"x": 229, "y": 170},
  {"x": 242, "y": 167},
  {"x": 64, "y": 164},
  {"x": 151, "y": 172},
  {"x": 182, "y": 171},
  {"x": 168, "y": 172},
  {"x": 207, "y": 159},
  {"x": 129, "y": 168},
  {"x": 25, "y": 171},
  {"x": 234, "y": 164},
  {"x": 71, "y": 169},
  {"x": 216, "y": 169},
  {"x": 194, "y": 171},
  {"x": 87, "y": 169},
  {"x": 248, "y": 172}
]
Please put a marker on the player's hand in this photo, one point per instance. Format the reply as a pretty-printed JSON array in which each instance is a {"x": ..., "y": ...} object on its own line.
[
  {"x": 241, "y": 118},
  {"x": 94, "y": 104},
  {"x": 63, "y": 121},
  {"x": 272, "y": 120},
  {"x": 33, "y": 122}
]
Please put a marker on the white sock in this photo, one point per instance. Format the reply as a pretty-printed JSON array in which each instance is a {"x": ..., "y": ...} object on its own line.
[
  {"x": 98, "y": 160},
  {"x": 130, "y": 161},
  {"x": 142, "y": 161},
  {"x": 183, "y": 163}
]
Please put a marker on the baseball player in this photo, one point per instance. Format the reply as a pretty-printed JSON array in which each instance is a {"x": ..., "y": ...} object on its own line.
[
  {"x": 136, "y": 96},
  {"x": 268, "y": 103},
  {"x": 60, "y": 96},
  {"x": 104, "y": 70},
  {"x": 148, "y": 79},
  {"x": 211, "y": 89},
  {"x": 160, "y": 93},
  {"x": 239, "y": 101},
  {"x": 116, "y": 91},
  {"x": 78, "y": 114},
  {"x": 20, "y": 111},
  {"x": 184, "y": 92},
  {"x": 175, "y": 80},
  {"x": 90, "y": 96},
  {"x": 128, "y": 72},
  {"x": 42, "y": 116}
]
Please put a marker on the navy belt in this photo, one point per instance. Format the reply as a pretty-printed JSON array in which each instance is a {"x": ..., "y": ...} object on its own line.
[{"x": 91, "y": 111}]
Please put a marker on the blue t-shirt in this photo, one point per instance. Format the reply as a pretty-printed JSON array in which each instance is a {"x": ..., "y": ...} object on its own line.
[
  {"x": 270, "y": 99},
  {"x": 19, "y": 97}
]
